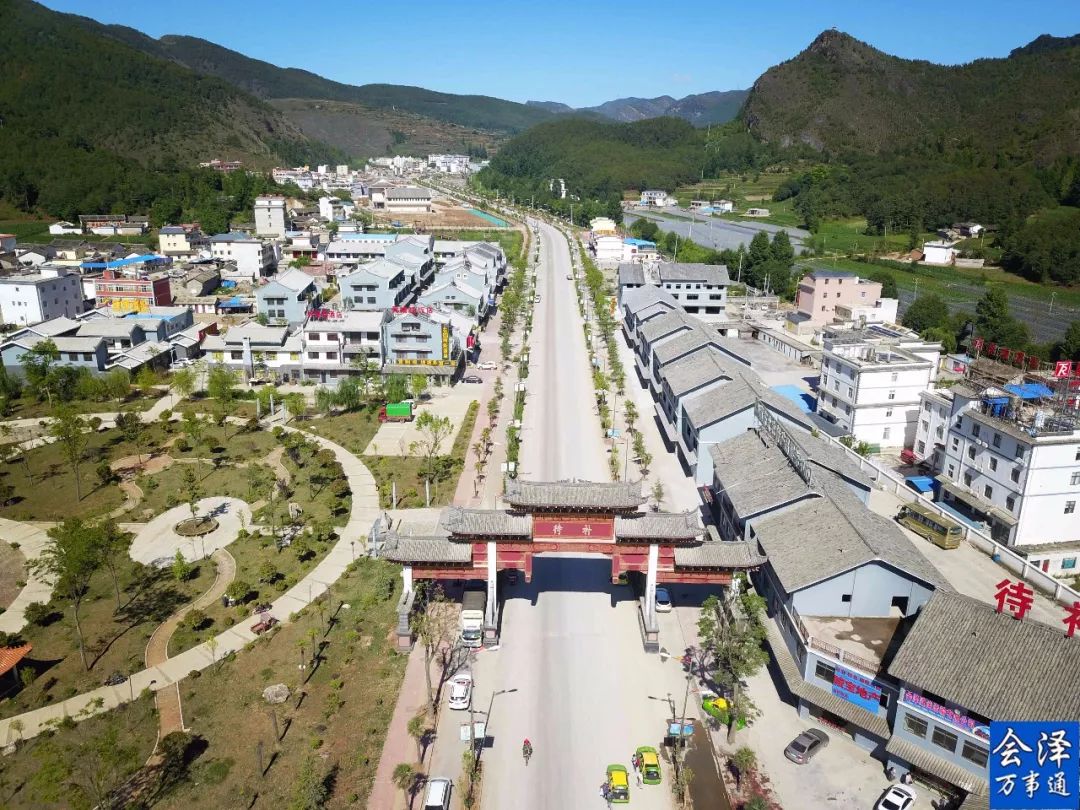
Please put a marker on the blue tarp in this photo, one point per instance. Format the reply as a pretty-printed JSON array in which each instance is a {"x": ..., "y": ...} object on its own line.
[
  {"x": 920, "y": 483},
  {"x": 1030, "y": 391},
  {"x": 805, "y": 402},
  {"x": 234, "y": 303},
  {"x": 149, "y": 258}
]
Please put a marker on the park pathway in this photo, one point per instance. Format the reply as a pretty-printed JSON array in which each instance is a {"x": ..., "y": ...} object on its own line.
[
  {"x": 170, "y": 713},
  {"x": 31, "y": 540},
  {"x": 352, "y": 543}
]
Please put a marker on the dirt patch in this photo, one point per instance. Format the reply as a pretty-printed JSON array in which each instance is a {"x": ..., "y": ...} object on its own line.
[
  {"x": 131, "y": 465},
  {"x": 12, "y": 572}
]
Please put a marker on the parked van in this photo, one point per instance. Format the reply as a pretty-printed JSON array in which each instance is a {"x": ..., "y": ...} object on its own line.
[{"x": 437, "y": 795}]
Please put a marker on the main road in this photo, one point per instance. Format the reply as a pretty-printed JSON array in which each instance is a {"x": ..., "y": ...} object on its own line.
[
  {"x": 714, "y": 232},
  {"x": 570, "y": 642}
]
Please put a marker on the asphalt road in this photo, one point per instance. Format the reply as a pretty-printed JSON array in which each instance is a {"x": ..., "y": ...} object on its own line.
[
  {"x": 570, "y": 641},
  {"x": 719, "y": 234}
]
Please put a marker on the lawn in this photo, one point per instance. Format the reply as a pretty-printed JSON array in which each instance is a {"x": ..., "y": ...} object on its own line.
[
  {"x": 335, "y": 719},
  {"x": 407, "y": 471},
  {"x": 353, "y": 431},
  {"x": 54, "y": 771},
  {"x": 29, "y": 407},
  {"x": 115, "y": 637},
  {"x": 165, "y": 489}
]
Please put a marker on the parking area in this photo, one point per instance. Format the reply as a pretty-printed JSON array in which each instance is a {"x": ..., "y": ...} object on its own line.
[
  {"x": 394, "y": 438},
  {"x": 776, "y": 369}
]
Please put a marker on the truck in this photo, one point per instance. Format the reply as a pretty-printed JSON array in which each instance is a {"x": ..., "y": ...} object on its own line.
[
  {"x": 396, "y": 412},
  {"x": 473, "y": 603}
]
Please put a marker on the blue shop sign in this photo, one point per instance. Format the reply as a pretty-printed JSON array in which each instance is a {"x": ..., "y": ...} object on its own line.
[
  {"x": 858, "y": 689},
  {"x": 1034, "y": 765}
]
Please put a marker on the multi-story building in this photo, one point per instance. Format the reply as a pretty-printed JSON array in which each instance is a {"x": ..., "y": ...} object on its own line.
[
  {"x": 421, "y": 340},
  {"x": 32, "y": 298},
  {"x": 182, "y": 242},
  {"x": 255, "y": 350},
  {"x": 408, "y": 200},
  {"x": 270, "y": 220},
  {"x": 253, "y": 258},
  {"x": 449, "y": 164},
  {"x": 377, "y": 286},
  {"x": 336, "y": 343},
  {"x": 132, "y": 294},
  {"x": 819, "y": 294},
  {"x": 932, "y": 428},
  {"x": 287, "y": 297},
  {"x": 457, "y": 295},
  {"x": 655, "y": 198},
  {"x": 871, "y": 380},
  {"x": 697, "y": 288}
]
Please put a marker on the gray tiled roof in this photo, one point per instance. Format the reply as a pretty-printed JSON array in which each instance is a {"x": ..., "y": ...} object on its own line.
[
  {"x": 717, "y": 553},
  {"x": 102, "y": 327},
  {"x": 827, "y": 536},
  {"x": 720, "y": 403},
  {"x": 684, "y": 344},
  {"x": 990, "y": 663},
  {"x": 583, "y": 494},
  {"x": 662, "y": 325},
  {"x": 406, "y": 548},
  {"x": 644, "y": 525},
  {"x": 631, "y": 274},
  {"x": 639, "y": 298},
  {"x": 755, "y": 475},
  {"x": 705, "y": 273},
  {"x": 695, "y": 371},
  {"x": 458, "y": 520}
]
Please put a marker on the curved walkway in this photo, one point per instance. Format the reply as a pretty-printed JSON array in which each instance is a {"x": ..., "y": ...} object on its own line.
[
  {"x": 170, "y": 713},
  {"x": 157, "y": 542},
  {"x": 352, "y": 544},
  {"x": 31, "y": 540}
]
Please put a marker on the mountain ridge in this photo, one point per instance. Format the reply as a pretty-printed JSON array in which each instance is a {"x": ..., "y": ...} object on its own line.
[{"x": 700, "y": 109}]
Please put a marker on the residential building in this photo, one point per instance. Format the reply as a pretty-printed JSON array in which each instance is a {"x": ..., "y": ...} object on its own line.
[
  {"x": 656, "y": 198},
  {"x": 270, "y": 216},
  {"x": 871, "y": 380},
  {"x": 449, "y": 164},
  {"x": 639, "y": 304},
  {"x": 606, "y": 249},
  {"x": 603, "y": 226},
  {"x": 931, "y": 431},
  {"x": 333, "y": 209},
  {"x": 723, "y": 206},
  {"x": 697, "y": 288},
  {"x": 457, "y": 295},
  {"x": 820, "y": 292},
  {"x": 939, "y": 252},
  {"x": 31, "y": 298},
  {"x": 639, "y": 251},
  {"x": 287, "y": 297},
  {"x": 33, "y": 255},
  {"x": 131, "y": 294},
  {"x": 75, "y": 352},
  {"x": 337, "y": 343},
  {"x": 377, "y": 192},
  {"x": 114, "y": 224},
  {"x": 255, "y": 350},
  {"x": 968, "y": 230},
  {"x": 253, "y": 258},
  {"x": 408, "y": 200},
  {"x": 182, "y": 242},
  {"x": 419, "y": 340},
  {"x": 377, "y": 286}
]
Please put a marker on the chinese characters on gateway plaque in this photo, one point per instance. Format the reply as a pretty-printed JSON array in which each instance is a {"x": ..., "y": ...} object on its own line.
[{"x": 1034, "y": 766}]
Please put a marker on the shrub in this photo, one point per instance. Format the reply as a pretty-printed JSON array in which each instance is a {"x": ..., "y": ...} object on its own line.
[
  {"x": 196, "y": 619},
  {"x": 37, "y": 613},
  {"x": 182, "y": 445}
]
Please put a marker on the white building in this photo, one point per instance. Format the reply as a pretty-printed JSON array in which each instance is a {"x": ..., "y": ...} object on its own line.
[
  {"x": 64, "y": 227},
  {"x": 253, "y": 257},
  {"x": 723, "y": 206},
  {"x": 607, "y": 249},
  {"x": 655, "y": 198},
  {"x": 871, "y": 380},
  {"x": 270, "y": 216},
  {"x": 883, "y": 310},
  {"x": 449, "y": 164},
  {"x": 51, "y": 293},
  {"x": 931, "y": 432},
  {"x": 179, "y": 242},
  {"x": 1012, "y": 460},
  {"x": 408, "y": 200},
  {"x": 940, "y": 252},
  {"x": 603, "y": 226}
]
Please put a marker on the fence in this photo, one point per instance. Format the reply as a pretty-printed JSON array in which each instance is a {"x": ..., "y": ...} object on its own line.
[{"x": 890, "y": 482}]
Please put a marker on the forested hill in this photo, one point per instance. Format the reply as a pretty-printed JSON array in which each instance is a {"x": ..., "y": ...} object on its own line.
[
  {"x": 272, "y": 82},
  {"x": 842, "y": 96},
  {"x": 89, "y": 122}
]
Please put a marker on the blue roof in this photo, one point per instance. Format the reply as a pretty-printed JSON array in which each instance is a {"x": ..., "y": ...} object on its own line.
[
  {"x": 920, "y": 483},
  {"x": 149, "y": 258},
  {"x": 638, "y": 242},
  {"x": 1030, "y": 391},
  {"x": 232, "y": 236},
  {"x": 234, "y": 302},
  {"x": 805, "y": 402}
]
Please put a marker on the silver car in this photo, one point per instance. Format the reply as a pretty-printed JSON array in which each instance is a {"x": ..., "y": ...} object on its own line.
[{"x": 806, "y": 746}]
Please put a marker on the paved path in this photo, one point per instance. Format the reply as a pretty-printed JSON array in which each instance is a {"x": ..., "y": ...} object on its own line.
[
  {"x": 167, "y": 701},
  {"x": 352, "y": 542},
  {"x": 31, "y": 540},
  {"x": 157, "y": 543}
]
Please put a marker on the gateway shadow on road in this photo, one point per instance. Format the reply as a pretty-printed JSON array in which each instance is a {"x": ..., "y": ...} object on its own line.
[{"x": 589, "y": 573}]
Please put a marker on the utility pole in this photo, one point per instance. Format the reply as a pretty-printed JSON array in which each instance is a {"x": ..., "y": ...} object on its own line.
[{"x": 1052, "y": 295}]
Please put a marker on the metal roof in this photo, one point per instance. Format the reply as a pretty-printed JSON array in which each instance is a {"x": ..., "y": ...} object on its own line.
[
  {"x": 990, "y": 663},
  {"x": 573, "y": 494}
]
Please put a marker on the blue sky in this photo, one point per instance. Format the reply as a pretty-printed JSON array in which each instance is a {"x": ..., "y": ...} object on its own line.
[{"x": 583, "y": 52}]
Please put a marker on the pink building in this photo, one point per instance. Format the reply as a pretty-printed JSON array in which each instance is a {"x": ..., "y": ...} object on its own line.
[{"x": 822, "y": 291}]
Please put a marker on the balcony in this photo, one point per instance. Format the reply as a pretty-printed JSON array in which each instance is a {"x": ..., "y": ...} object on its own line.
[{"x": 857, "y": 642}]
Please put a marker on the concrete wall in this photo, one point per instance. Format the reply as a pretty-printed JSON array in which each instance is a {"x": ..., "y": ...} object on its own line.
[{"x": 871, "y": 588}]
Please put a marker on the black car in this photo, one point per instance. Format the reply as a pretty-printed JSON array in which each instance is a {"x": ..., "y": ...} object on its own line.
[{"x": 472, "y": 378}]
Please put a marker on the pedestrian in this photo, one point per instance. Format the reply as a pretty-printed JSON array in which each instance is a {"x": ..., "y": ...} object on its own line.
[
  {"x": 890, "y": 773},
  {"x": 637, "y": 775}
]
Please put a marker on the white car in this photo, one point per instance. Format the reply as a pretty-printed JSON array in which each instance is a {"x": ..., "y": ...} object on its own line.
[
  {"x": 460, "y": 691},
  {"x": 663, "y": 600},
  {"x": 488, "y": 365},
  {"x": 897, "y": 797}
]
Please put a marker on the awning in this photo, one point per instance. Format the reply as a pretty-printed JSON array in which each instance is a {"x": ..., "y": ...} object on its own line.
[
  {"x": 936, "y": 766},
  {"x": 975, "y": 502},
  {"x": 920, "y": 483}
]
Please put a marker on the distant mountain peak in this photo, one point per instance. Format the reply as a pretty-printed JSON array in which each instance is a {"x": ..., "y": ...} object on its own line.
[{"x": 1045, "y": 43}]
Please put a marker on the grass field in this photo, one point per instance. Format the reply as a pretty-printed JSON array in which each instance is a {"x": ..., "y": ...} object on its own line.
[
  {"x": 335, "y": 720},
  {"x": 37, "y": 232}
]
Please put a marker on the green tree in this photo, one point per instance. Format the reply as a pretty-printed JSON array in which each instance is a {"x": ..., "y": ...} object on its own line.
[
  {"x": 926, "y": 312},
  {"x": 113, "y": 545},
  {"x": 311, "y": 792},
  {"x": 348, "y": 394},
  {"x": 192, "y": 491},
  {"x": 781, "y": 249},
  {"x": 71, "y": 556},
  {"x": 147, "y": 380},
  {"x": 37, "y": 365},
  {"x": 395, "y": 387},
  {"x": 435, "y": 626},
  {"x": 182, "y": 383},
  {"x": 733, "y": 635},
  {"x": 133, "y": 429},
  {"x": 181, "y": 568},
  {"x": 888, "y": 284},
  {"x": 71, "y": 432},
  {"x": 405, "y": 778},
  {"x": 118, "y": 385},
  {"x": 221, "y": 384},
  {"x": 434, "y": 431},
  {"x": 745, "y": 760},
  {"x": 994, "y": 323},
  {"x": 296, "y": 404},
  {"x": 418, "y": 385},
  {"x": 1068, "y": 348}
]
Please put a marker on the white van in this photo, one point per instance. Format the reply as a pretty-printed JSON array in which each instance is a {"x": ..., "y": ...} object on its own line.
[{"x": 437, "y": 796}]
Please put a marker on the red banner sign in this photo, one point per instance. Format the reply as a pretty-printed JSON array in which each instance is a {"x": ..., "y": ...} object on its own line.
[
  {"x": 411, "y": 310},
  {"x": 1063, "y": 368},
  {"x": 977, "y": 344},
  {"x": 583, "y": 529}
]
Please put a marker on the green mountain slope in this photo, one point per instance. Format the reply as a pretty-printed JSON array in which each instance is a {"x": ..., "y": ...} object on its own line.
[
  {"x": 841, "y": 96},
  {"x": 87, "y": 119},
  {"x": 272, "y": 82}
]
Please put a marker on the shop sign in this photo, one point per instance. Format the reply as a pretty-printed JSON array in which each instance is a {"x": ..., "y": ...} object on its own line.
[
  {"x": 945, "y": 714},
  {"x": 573, "y": 528},
  {"x": 858, "y": 689}
]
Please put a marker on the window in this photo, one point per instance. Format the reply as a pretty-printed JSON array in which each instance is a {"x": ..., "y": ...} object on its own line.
[
  {"x": 1010, "y": 503},
  {"x": 331, "y": 336},
  {"x": 313, "y": 355},
  {"x": 885, "y": 433},
  {"x": 944, "y": 739},
  {"x": 1074, "y": 479},
  {"x": 915, "y": 725},
  {"x": 1020, "y": 452},
  {"x": 975, "y": 431},
  {"x": 1015, "y": 474},
  {"x": 1069, "y": 563},
  {"x": 895, "y": 377},
  {"x": 331, "y": 355},
  {"x": 993, "y": 464},
  {"x": 921, "y": 447},
  {"x": 1070, "y": 507},
  {"x": 955, "y": 443},
  {"x": 883, "y": 701},
  {"x": 926, "y": 407},
  {"x": 997, "y": 440},
  {"x": 845, "y": 598},
  {"x": 888, "y": 412},
  {"x": 236, "y": 355},
  {"x": 924, "y": 425},
  {"x": 971, "y": 452},
  {"x": 1078, "y": 453},
  {"x": 974, "y": 754},
  {"x": 825, "y": 671},
  {"x": 892, "y": 395},
  {"x": 967, "y": 479},
  {"x": 952, "y": 470},
  {"x": 988, "y": 492}
]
